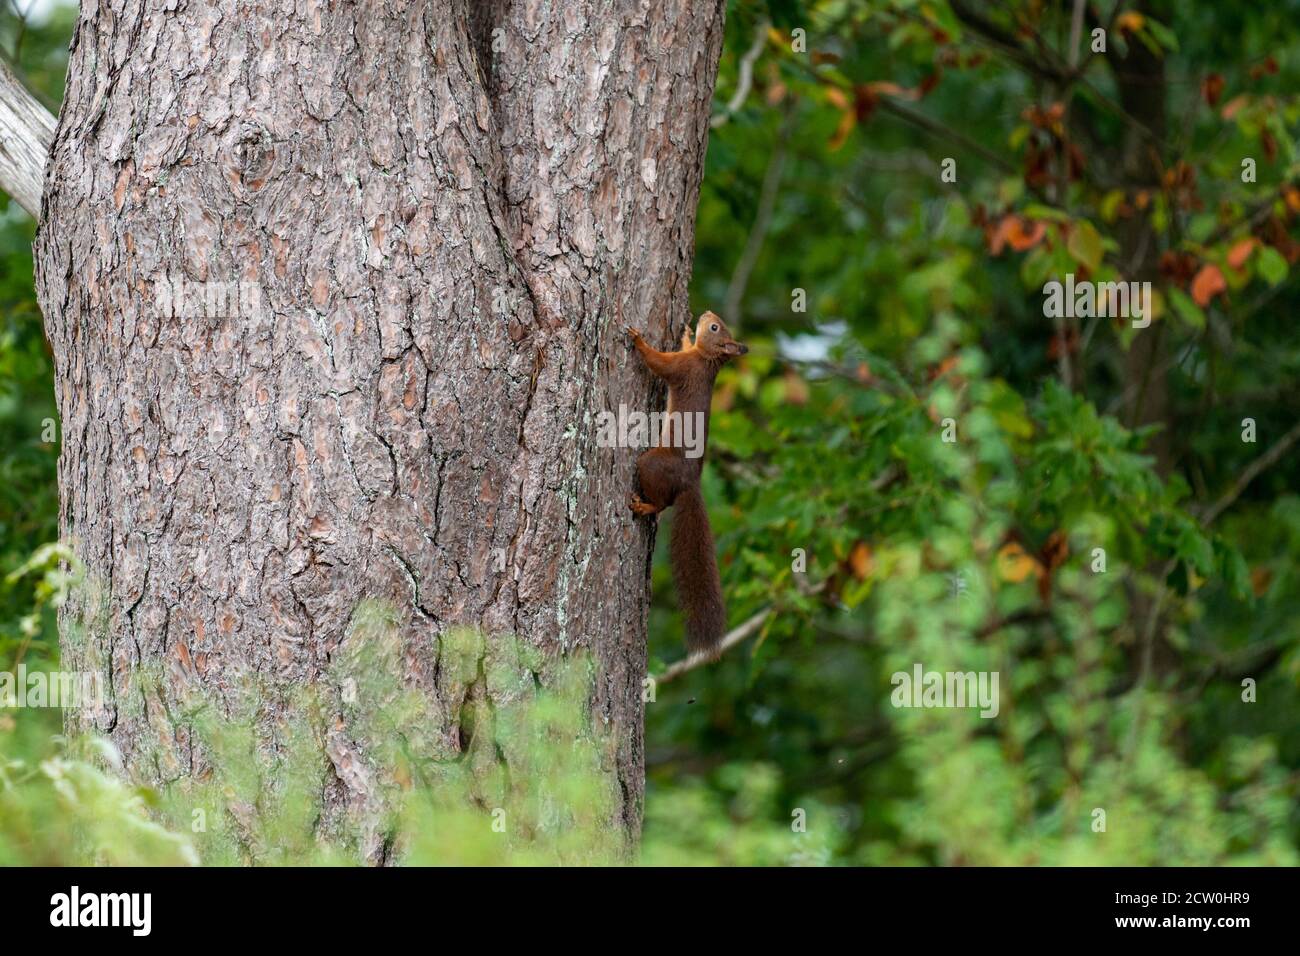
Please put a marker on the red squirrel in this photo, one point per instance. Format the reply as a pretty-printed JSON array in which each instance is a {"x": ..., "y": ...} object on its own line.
[{"x": 669, "y": 477}]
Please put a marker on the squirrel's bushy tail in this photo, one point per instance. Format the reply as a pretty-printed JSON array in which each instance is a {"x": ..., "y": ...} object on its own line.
[{"x": 695, "y": 572}]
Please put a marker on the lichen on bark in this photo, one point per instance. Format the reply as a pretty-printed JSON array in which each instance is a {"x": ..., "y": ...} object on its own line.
[{"x": 445, "y": 248}]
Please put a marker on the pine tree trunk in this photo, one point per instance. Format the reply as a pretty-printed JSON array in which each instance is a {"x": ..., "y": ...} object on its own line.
[{"x": 429, "y": 224}]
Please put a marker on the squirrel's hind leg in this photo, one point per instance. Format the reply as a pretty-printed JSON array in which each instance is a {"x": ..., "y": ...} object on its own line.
[
  {"x": 657, "y": 475},
  {"x": 640, "y": 507}
]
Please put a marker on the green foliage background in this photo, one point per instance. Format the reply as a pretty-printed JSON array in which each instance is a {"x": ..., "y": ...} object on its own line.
[{"x": 1120, "y": 691}]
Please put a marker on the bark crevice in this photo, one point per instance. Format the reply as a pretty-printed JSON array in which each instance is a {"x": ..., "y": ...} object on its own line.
[{"x": 438, "y": 248}]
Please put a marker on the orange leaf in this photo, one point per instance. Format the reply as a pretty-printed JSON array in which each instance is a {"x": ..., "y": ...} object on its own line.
[
  {"x": 1020, "y": 234},
  {"x": 848, "y": 119},
  {"x": 1024, "y": 235},
  {"x": 888, "y": 88},
  {"x": 861, "y": 561},
  {"x": 837, "y": 98},
  {"x": 1239, "y": 253},
  {"x": 944, "y": 367},
  {"x": 1234, "y": 105},
  {"x": 1014, "y": 565},
  {"x": 1207, "y": 284},
  {"x": 1130, "y": 21}
]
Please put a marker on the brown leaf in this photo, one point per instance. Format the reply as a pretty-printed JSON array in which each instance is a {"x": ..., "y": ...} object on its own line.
[
  {"x": 1267, "y": 68},
  {"x": 1261, "y": 577},
  {"x": 1076, "y": 162},
  {"x": 1269, "y": 143},
  {"x": 1070, "y": 342},
  {"x": 776, "y": 88},
  {"x": 796, "y": 389},
  {"x": 1055, "y": 550},
  {"x": 1212, "y": 88},
  {"x": 1037, "y": 166},
  {"x": 1178, "y": 267}
]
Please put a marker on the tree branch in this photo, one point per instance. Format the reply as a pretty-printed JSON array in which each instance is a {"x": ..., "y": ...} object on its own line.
[
  {"x": 921, "y": 121},
  {"x": 1006, "y": 43},
  {"x": 746, "y": 77},
  {"x": 762, "y": 219},
  {"x": 1252, "y": 471},
  {"x": 26, "y": 131},
  {"x": 732, "y": 638}
]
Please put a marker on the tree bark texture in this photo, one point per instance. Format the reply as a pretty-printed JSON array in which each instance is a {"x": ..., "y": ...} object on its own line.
[{"x": 449, "y": 210}]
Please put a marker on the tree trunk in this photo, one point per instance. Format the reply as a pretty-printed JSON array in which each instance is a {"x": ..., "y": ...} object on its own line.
[
  {"x": 1141, "y": 84},
  {"x": 441, "y": 220},
  {"x": 1140, "y": 81}
]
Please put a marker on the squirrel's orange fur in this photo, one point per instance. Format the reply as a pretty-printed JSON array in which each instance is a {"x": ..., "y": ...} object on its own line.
[{"x": 670, "y": 478}]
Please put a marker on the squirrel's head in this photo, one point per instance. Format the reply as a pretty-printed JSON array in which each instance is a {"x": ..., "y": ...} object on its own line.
[{"x": 713, "y": 338}]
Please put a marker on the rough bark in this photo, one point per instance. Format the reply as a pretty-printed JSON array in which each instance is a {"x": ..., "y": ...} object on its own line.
[{"x": 445, "y": 249}]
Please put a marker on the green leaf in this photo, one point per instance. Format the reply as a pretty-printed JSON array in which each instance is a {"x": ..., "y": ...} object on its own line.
[
  {"x": 1271, "y": 265},
  {"x": 1186, "y": 309},
  {"x": 1163, "y": 35},
  {"x": 1085, "y": 245}
]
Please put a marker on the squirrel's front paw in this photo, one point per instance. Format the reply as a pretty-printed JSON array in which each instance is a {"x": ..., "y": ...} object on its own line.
[
  {"x": 639, "y": 507},
  {"x": 633, "y": 332}
]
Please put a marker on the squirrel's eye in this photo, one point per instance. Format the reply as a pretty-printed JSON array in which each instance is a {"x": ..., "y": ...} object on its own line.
[{"x": 713, "y": 327}]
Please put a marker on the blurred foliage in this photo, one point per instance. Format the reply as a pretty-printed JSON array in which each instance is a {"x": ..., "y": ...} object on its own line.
[
  {"x": 880, "y": 301},
  {"x": 924, "y": 301},
  {"x": 29, "y": 449},
  {"x": 254, "y": 798}
]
